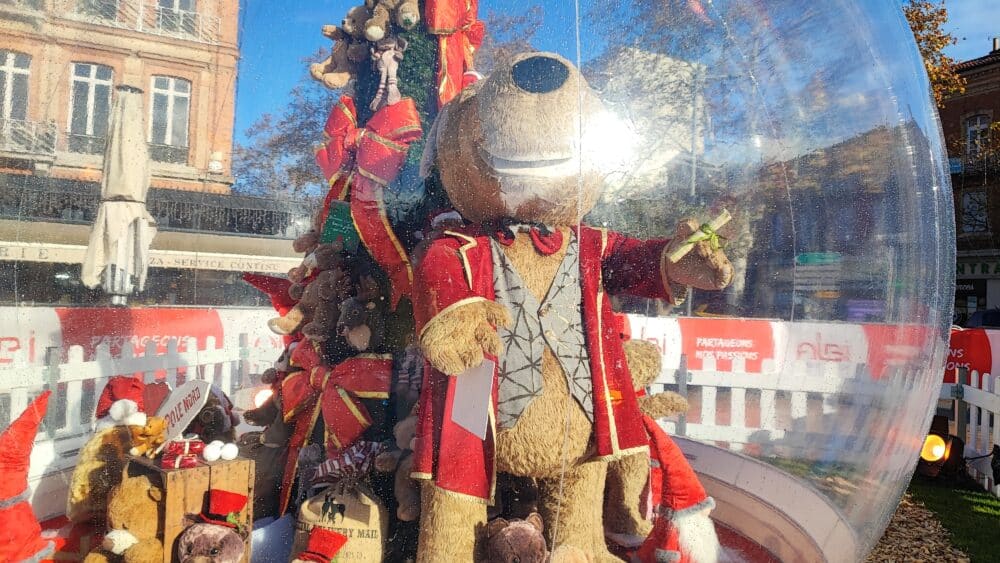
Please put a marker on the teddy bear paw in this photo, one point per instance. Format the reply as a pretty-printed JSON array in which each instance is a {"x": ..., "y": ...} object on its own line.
[{"x": 454, "y": 341}]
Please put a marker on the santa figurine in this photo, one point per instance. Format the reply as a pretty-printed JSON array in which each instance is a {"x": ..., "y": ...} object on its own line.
[
  {"x": 682, "y": 532},
  {"x": 20, "y": 534}
]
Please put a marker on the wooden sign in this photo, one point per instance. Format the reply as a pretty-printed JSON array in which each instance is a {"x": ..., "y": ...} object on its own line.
[{"x": 182, "y": 406}]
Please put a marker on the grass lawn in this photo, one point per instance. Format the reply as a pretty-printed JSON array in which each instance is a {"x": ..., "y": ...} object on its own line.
[{"x": 972, "y": 517}]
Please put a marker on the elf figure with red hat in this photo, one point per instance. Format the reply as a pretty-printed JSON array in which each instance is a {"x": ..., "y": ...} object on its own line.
[
  {"x": 682, "y": 532},
  {"x": 20, "y": 538}
]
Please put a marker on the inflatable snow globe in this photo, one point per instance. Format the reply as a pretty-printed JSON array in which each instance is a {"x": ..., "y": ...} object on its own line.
[{"x": 456, "y": 280}]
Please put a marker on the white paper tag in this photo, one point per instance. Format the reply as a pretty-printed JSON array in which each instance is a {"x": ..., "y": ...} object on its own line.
[{"x": 473, "y": 393}]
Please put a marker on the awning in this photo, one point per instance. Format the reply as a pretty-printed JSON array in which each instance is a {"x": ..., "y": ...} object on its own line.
[{"x": 67, "y": 244}]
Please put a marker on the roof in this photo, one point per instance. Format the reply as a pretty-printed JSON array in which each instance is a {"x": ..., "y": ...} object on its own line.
[{"x": 993, "y": 57}]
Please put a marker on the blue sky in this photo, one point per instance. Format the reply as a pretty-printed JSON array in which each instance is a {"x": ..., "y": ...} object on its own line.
[{"x": 277, "y": 34}]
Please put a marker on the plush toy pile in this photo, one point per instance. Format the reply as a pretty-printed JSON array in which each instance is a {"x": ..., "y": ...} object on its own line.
[
  {"x": 456, "y": 385},
  {"x": 509, "y": 388}
]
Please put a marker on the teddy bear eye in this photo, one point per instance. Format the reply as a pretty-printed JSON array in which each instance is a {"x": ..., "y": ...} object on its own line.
[
  {"x": 213, "y": 551},
  {"x": 515, "y": 560}
]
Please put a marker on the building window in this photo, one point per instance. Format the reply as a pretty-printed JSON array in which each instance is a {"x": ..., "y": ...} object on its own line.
[
  {"x": 977, "y": 130},
  {"x": 974, "y": 217},
  {"x": 90, "y": 107},
  {"x": 14, "y": 85},
  {"x": 106, "y": 10},
  {"x": 169, "y": 120},
  {"x": 178, "y": 16}
]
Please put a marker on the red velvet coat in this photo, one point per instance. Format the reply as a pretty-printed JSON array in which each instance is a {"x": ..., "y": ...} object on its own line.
[{"x": 457, "y": 270}]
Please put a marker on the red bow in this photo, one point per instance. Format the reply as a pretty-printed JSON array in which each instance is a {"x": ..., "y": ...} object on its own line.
[
  {"x": 460, "y": 33},
  {"x": 546, "y": 242},
  {"x": 337, "y": 392},
  {"x": 358, "y": 164}
]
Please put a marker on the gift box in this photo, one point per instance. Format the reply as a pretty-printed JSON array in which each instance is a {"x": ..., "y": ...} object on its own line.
[
  {"x": 186, "y": 492},
  {"x": 184, "y": 447}
]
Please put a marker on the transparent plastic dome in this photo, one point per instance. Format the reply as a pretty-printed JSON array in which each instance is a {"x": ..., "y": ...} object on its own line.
[{"x": 810, "y": 378}]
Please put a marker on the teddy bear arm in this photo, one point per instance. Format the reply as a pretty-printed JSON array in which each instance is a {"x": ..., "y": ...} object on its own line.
[
  {"x": 662, "y": 405},
  {"x": 630, "y": 267},
  {"x": 644, "y": 362}
]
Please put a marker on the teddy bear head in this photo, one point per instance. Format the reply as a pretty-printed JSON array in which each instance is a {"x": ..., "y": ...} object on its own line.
[
  {"x": 527, "y": 144},
  {"x": 518, "y": 541},
  {"x": 135, "y": 512},
  {"x": 354, "y": 21},
  {"x": 209, "y": 543}
]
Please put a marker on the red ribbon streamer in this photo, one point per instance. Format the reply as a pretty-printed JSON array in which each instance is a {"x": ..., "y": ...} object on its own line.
[
  {"x": 358, "y": 164},
  {"x": 460, "y": 33}
]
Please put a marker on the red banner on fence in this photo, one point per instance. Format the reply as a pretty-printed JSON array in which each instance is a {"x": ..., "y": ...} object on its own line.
[
  {"x": 121, "y": 327},
  {"x": 726, "y": 340}
]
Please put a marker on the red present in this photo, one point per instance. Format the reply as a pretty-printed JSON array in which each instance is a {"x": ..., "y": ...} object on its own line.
[
  {"x": 179, "y": 461},
  {"x": 184, "y": 447}
]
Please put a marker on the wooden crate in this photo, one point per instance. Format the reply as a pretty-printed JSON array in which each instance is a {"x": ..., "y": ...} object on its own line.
[{"x": 186, "y": 493}]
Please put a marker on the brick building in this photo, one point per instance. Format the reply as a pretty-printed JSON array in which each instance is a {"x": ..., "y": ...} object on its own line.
[
  {"x": 60, "y": 62},
  {"x": 971, "y": 122}
]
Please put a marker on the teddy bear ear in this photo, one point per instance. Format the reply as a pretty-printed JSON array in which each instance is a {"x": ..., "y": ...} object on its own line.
[
  {"x": 535, "y": 519},
  {"x": 495, "y": 526}
]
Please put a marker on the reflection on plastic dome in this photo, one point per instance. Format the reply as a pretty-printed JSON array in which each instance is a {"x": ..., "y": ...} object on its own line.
[{"x": 496, "y": 230}]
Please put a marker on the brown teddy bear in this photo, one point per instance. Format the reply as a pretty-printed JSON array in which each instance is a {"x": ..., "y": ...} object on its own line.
[
  {"x": 145, "y": 439},
  {"x": 354, "y": 22},
  {"x": 526, "y": 286},
  {"x": 135, "y": 521},
  {"x": 320, "y": 296},
  {"x": 521, "y": 541},
  {"x": 400, "y": 461},
  {"x": 406, "y": 12},
  {"x": 209, "y": 543},
  {"x": 342, "y": 64}
]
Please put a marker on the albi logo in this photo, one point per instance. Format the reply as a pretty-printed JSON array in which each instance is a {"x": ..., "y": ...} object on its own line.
[{"x": 818, "y": 350}]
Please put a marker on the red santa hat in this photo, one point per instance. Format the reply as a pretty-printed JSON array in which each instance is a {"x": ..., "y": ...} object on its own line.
[
  {"x": 224, "y": 508},
  {"x": 20, "y": 537},
  {"x": 682, "y": 530},
  {"x": 323, "y": 545},
  {"x": 121, "y": 400}
]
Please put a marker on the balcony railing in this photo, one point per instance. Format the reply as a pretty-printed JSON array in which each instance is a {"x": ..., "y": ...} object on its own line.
[
  {"x": 27, "y": 137},
  {"x": 146, "y": 16}
]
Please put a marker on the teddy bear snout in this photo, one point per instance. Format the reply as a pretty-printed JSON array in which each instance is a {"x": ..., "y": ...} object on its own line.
[{"x": 539, "y": 74}]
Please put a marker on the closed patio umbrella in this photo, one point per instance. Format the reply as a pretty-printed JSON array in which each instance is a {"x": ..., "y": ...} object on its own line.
[{"x": 118, "y": 252}]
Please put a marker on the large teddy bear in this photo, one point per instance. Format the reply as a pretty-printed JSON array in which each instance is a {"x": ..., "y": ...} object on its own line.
[{"x": 527, "y": 288}]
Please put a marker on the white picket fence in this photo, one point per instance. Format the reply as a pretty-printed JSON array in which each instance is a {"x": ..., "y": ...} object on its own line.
[
  {"x": 77, "y": 382},
  {"x": 825, "y": 412},
  {"x": 980, "y": 399}
]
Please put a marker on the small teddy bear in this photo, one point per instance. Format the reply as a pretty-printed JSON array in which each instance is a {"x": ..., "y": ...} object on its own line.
[
  {"x": 406, "y": 12},
  {"x": 400, "y": 461},
  {"x": 209, "y": 543},
  {"x": 342, "y": 64},
  {"x": 521, "y": 541},
  {"x": 354, "y": 22},
  {"x": 322, "y": 293},
  {"x": 146, "y": 439}
]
